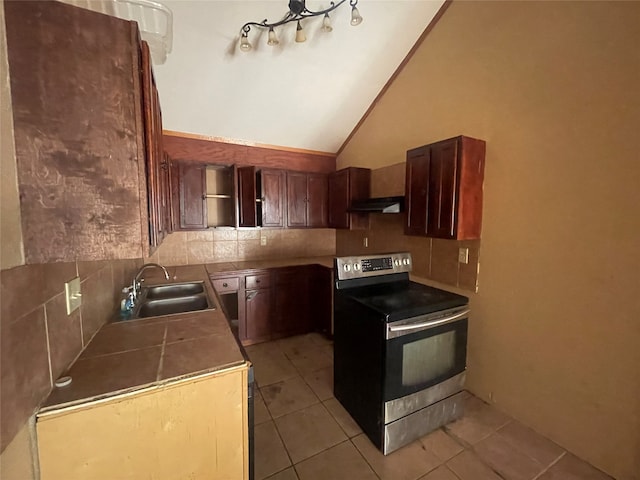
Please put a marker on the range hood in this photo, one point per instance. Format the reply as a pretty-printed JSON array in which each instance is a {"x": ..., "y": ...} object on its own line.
[{"x": 380, "y": 205}]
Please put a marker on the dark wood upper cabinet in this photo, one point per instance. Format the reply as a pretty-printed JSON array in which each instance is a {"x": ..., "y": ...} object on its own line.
[
  {"x": 193, "y": 205},
  {"x": 272, "y": 197},
  {"x": 247, "y": 194},
  {"x": 346, "y": 185},
  {"x": 444, "y": 189},
  {"x": 297, "y": 199},
  {"x": 157, "y": 166},
  {"x": 94, "y": 119},
  {"x": 318, "y": 200},
  {"x": 307, "y": 200}
]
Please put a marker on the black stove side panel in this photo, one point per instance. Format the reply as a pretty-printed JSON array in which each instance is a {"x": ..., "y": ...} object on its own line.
[{"x": 358, "y": 364}]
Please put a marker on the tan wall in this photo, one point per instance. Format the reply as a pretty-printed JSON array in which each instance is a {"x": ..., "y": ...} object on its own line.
[
  {"x": 228, "y": 245},
  {"x": 11, "y": 252},
  {"x": 553, "y": 89}
]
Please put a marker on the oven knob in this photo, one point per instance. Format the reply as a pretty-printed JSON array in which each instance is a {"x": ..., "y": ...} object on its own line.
[
  {"x": 396, "y": 262},
  {"x": 356, "y": 266},
  {"x": 405, "y": 261},
  {"x": 347, "y": 267}
]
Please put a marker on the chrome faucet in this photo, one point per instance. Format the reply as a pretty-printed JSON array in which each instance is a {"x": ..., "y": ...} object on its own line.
[{"x": 137, "y": 280}]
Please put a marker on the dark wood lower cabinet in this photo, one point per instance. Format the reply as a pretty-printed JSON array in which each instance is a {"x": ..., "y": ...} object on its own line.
[
  {"x": 258, "y": 313},
  {"x": 292, "y": 313},
  {"x": 280, "y": 302}
]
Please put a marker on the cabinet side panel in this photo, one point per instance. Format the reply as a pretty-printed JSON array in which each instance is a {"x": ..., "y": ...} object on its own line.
[
  {"x": 471, "y": 171},
  {"x": 73, "y": 94},
  {"x": 191, "y": 430}
]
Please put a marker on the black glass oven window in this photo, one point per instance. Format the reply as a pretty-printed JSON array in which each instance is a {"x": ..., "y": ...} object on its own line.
[{"x": 428, "y": 358}]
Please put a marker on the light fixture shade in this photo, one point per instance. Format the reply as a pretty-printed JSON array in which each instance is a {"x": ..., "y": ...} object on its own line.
[
  {"x": 356, "y": 19},
  {"x": 326, "y": 23},
  {"x": 245, "y": 46},
  {"x": 273, "y": 40},
  {"x": 300, "y": 35}
]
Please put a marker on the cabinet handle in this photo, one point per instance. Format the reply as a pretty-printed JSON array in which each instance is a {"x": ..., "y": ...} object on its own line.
[
  {"x": 257, "y": 281},
  {"x": 225, "y": 284}
]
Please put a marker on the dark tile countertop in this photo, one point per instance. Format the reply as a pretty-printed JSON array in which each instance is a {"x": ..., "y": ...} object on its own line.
[
  {"x": 126, "y": 356},
  {"x": 130, "y": 355}
]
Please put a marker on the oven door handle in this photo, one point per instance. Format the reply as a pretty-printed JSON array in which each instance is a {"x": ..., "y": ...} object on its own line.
[{"x": 425, "y": 325}]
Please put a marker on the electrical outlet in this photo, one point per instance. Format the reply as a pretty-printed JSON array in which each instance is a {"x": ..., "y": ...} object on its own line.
[
  {"x": 73, "y": 295},
  {"x": 365, "y": 242},
  {"x": 263, "y": 240},
  {"x": 463, "y": 255}
]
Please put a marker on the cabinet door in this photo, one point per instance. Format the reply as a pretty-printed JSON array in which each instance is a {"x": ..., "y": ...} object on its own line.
[
  {"x": 292, "y": 314},
  {"x": 317, "y": 195},
  {"x": 153, "y": 146},
  {"x": 247, "y": 213},
  {"x": 443, "y": 187},
  {"x": 416, "y": 196},
  {"x": 339, "y": 199},
  {"x": 272, "y": 183},
  {"x": 193, "y": 207},
  {"x": 165, "y": 197},
  {"x": 258, "y": 314},
  {"x": 344, "y": 186},
  {"x": 321, "y": 302},
  {"x": 297, "y": 199}
]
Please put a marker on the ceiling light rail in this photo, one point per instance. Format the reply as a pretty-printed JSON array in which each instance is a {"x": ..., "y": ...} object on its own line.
[{"x": 297, "y": 12}]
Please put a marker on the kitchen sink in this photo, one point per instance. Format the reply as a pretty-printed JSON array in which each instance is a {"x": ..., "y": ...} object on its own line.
[
  {"x": 170, "y": 299},
  {"x": 169, "y": 306},
  {"x": 174, "y": 290}
]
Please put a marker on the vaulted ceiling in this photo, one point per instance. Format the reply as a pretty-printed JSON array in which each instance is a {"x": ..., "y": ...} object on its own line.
[{"x": 304, "y": 95}]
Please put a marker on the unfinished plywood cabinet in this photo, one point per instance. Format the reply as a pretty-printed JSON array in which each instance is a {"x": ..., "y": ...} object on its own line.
[
  {"x": 83, "y": 133},
  {"x": 194, "y": 428}
]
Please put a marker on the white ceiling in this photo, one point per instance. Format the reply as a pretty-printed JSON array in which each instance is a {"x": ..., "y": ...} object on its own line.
[{"x": 308, "y": 95}]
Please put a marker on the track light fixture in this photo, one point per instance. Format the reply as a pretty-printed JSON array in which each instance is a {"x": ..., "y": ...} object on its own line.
[{"x": 297, "y": 12}]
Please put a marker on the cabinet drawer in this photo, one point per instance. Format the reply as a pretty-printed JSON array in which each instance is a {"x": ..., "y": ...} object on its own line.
[
  {"x": 222, "y": 285},
  {"x": 257, "y": 281}
]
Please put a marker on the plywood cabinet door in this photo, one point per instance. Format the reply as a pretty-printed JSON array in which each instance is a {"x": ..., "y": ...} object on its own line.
[
  {"x": 193, "y": 205},
  {"x": 195, "y": 428}
]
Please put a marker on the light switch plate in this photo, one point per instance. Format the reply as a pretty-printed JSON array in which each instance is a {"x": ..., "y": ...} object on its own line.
[
  {"x": 263, "y": 240},
  {"x": 73, "y": 295},
  {"x": 463, "y": 255},
  {"x": 365, "y": 242}
]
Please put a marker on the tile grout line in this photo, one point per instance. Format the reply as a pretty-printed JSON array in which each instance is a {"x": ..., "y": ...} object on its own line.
[
  {"x": 164, "y": 344},
  {"x": 545, "y": 470}
]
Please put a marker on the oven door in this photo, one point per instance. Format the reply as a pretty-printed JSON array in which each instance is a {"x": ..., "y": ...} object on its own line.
[{"x": 424, "y": 351}]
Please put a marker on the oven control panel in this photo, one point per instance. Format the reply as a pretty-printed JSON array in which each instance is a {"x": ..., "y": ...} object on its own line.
[{"x": 372, "y": 265}]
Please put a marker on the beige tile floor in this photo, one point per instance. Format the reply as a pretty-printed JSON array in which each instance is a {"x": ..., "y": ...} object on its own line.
[{"x": 303, "y": 433}]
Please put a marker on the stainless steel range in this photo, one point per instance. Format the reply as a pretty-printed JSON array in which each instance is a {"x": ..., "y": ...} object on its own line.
[{"x": 400, "y": 349}]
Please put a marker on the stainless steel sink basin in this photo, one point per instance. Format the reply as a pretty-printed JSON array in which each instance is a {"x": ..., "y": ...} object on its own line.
[
  {"x": 169, "y": 306},
  {"x": 174, "y": 290},
  {"x": 170, "y": 299}
]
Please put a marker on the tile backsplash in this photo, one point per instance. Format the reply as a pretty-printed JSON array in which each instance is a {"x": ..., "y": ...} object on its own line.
[
  {"x": 433, "y": 259},
  {"x": 39, "y": 340},
  {"x": 228, "y": 245}
]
